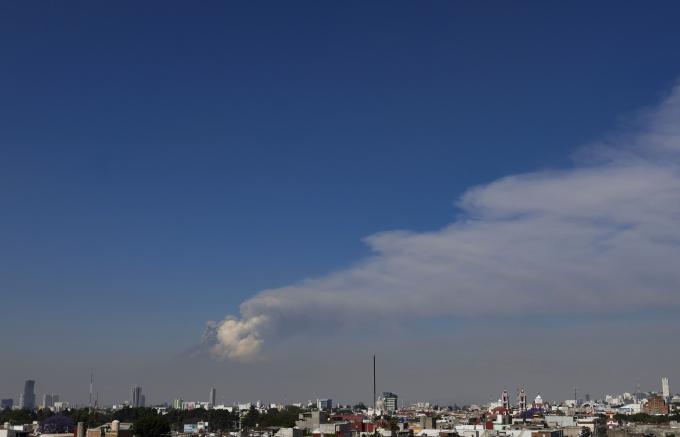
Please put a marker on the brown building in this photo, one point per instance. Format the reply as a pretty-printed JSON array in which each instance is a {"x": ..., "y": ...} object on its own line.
[
  {"x": 547, "y": 433},
  {"x": 655, "y": 405}
]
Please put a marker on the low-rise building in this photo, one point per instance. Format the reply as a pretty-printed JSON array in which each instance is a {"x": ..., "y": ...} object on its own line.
[
  {"x": 8, "y": 431},
  {"x": 289, "y": 432},
  {"x": 113, "y": 429},
  {"x": 309, "y": 421}
]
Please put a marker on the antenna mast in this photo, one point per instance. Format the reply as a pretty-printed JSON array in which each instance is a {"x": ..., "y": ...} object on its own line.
[
  {"x": 91, "y": 384},
  {"x": 374, "y": 398}
]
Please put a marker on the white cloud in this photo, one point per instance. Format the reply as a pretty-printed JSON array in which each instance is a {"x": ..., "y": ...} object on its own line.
[{"x": 595, "y": 239}]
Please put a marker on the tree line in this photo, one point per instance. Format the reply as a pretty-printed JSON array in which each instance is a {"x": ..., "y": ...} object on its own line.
[{"x": 147, "y": 422}]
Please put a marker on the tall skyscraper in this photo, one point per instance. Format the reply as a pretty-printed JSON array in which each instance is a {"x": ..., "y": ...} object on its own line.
[
  {"x": 212, "y": 398},
  {"x": 27, "y": 398},
  {"x": 665, "y": 389},
  {"x": 505, "y": 400},
  {"x": 136, "y": 397}
]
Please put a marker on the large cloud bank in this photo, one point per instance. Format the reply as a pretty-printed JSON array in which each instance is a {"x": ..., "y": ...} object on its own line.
[{"x": 597, "y": 238}]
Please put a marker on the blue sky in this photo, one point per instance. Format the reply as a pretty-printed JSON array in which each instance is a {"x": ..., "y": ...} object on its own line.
[{"x": 163, "y": 162}]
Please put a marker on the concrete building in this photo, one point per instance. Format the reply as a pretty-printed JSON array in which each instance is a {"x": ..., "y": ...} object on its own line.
[
  {"x": 6, "y": 403},
  {"x": 389, "y": 401},
  {"x": 428, "y": 422},
  {"x": 665, "y": 389},
  {"x": 60, "y": 405},
  {"x": 9, "y": 431},
  {"x": 324, "y": 404},
  {"x": 188, "y": 405},
  {"x": 559, "y": 421},
  {"x": 136, "y": 397},
  {"x": 547, "y": 433},
  {"x": 311, "y": 420},
  {"x": 113, "y": 429},
  {"x": 27, "y": 398},
  {"x": 655, "y": 405},
  {"x": 630, "y": 409},
  {"x": 289, "y": 432},
  {"x": 212, "y": 397},
  {"x": 47, "y": 401},
  {"x": 336, "y": 429}
]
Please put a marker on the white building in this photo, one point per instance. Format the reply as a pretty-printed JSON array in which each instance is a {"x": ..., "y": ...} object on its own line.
[{"x": 630, "y": 409}]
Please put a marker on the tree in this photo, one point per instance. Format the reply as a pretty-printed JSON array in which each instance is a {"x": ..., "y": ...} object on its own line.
[
  {"x": 284, "y": 418},
  {"x": 151, "y": 426},
  {"x": 252, "y": 418},
  {"x": 57, "y": 424}
]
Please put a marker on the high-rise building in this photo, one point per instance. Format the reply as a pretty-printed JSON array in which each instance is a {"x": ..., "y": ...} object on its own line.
[
  {"x": 142, "y": 400},
  {"x": 665, "y": 389},
  {"x": 27, "y": 398},
  {"x": 389, "y": 401},
  {"x": 6, "y": 403},
  {"x": 47, "y": 401},
  {"x": 324, "y": 404},
  {"x": 655, "y": 405},
  {"x": 177, "y": 404},
  {"x": 213, "y": 395},
  {"x": 136, "y": 397}
]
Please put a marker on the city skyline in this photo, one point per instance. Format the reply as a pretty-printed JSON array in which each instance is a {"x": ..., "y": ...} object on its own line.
[
  {"x": 137, "y": 398},
  {"x": 260, "y": 198}
]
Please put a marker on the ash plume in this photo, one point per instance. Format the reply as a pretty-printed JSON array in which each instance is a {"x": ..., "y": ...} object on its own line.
[{"x": 600, "y": 237}]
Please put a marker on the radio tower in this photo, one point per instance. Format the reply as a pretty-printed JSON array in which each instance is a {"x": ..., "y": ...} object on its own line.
[
  {"x": 374, "y": 399},
  {"x": 575, "y": 397},
  {"x": 91, "y": 384}
]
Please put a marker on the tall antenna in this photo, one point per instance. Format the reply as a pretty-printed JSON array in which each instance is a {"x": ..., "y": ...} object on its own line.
[
  {"x": 374, "y": 398},
  {"x": 91, "y": 383},
  {"x": 575, "y": 397}
]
